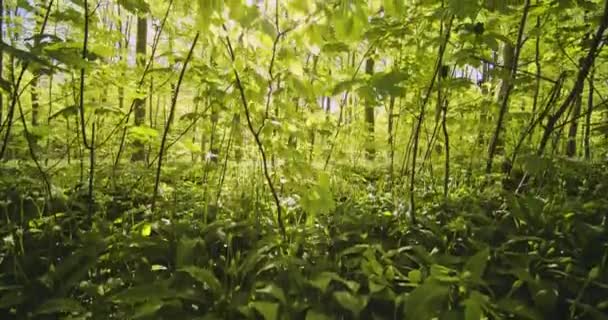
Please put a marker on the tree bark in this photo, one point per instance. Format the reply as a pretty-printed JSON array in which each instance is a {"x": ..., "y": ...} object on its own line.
[
  {"x": 511, "y": 58},
  {"x": 369, "y": 116},
  {"x": 1, "y": 60},
  {"x": 578, "y": 86},
  {"x": 572, "y": 132},
  {"x": 139, "y": 107},
  {"x": 588, "y": 118}
]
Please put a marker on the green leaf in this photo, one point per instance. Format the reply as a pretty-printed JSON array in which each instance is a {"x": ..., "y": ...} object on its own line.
[
  {"x": 143, "y": 293},
  {"x": 491, "y": 41},
  {"x": 275, "y": 292},
  {"x": 64, "y": 305},
  {"x": 476, "y": 265},
  {"x": 350, "y": 20},
  {"x": 444, "y": 274},
  {"x": 23, "y": 55},
  {"x": 318, "y": 198},
  {"x": 464, "y": 8},
  {"x": 203, "y": 276},
  {"x": 11, "y": 299},
  {"x": 316, "y": 315},
  {"x": 594, "y": 273},
  {"x": 148, "y": 309},
  {"x": 269, "y": 310},
  {"x": 394, "y": 8},
  {"x": 185, "y": 251},
  {"x": 335, "y": 47},
  {"x": 426, "y": 301},
  {"x": 192, "y": 116},
  {"x": 345, "y": 86},
  {"x": 108, "y": 110},
  {"x": 135, "y": 6},
  {"x": 519, "y": 308},
  {"x": 387, "y": 82},
  {"x": 146, "y": 229},
  {"x": 415, "y": 276},
  {"x": 474, "y": 306},
  {"x": 321, "y": 281},
  {"x": 544, "y": 294},
  {"x": 143, "y": 133},
  {"x": 6, "y": 86},
  {"x": 206, "y": 9},
  {"x": 350, "y": 302}
]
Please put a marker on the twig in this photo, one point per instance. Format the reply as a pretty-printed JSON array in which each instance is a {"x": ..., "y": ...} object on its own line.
[
  {"x": 257, "y": 139},
  {"x": 170, "y": 120}
]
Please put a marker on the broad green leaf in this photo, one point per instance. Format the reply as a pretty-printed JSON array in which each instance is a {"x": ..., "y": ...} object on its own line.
[
  {"x": 142, "y": 293},
  {"x": 65, "y": 112},
  {"x": 203, "y": 276},
  {"x": 147, "y": 309},
  {"x": 350, "y": 19},
  {"x": 321, "y": 281},
  {"x": 544, "y": 294},
  {"x": 394, "y": 8},
  {"x": 335, "y": 47},
  {"x": 316, "y": 315},
  {"x": 351, "y": 302},
  {"x": 108, "y": 110},
  {"x": 206, "y": 10},
  {"x": 474, "y": 306},
  {"x": 143, "y": 133},
  {"x": 519, "y": 308},
  {"x": 346, "y": 86},
  {"x": 476, "y": 265},
  {"x": 23, "y": 55},
  {"x": 146, "y": 229},
  {"x": 64, "y": 305},
  {"x": 269, "y": 310},
  {"x": 6, "y": 86},
  {"x": 415, "y": 276},
  {"x": 135, "y": 6},
  {"x": 274, "y": 291},
  {"x": 12, "y": 298},
  {"x": 387, "y": 82},
  {"x": 594, "y": 273},
  {"x": 426, "y": 301},
  {"x": 464, "y": 8},
  {"x": 444, "y": 274},
  {"x": 185, "y": 251}
]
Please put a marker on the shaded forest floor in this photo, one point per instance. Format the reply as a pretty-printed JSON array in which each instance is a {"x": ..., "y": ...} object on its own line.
[{"x": 539, "y": 252}]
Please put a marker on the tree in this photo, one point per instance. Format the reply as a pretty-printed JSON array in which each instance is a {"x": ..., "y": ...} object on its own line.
[
  {"x": 139, "y": 106},
  {"x": 369, "y": 114}
]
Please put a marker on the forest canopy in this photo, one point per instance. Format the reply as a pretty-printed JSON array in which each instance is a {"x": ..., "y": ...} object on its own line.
[{"x": 303, "y": 159}]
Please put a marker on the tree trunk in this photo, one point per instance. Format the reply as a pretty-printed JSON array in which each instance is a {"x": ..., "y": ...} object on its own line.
[
  {"x": 511, "y": 58},
  {"x": 369, "y": 115},
  {"x": 35, "y": 101},
  {"x": 586, "y": 66},
  {"x": 588, "y": 118},
  {"x": 34, "y": 90},
  {"x": 1, "y": 58},
  {"x": 576, "y": 112},
  {"x": 140, "y": 104}
]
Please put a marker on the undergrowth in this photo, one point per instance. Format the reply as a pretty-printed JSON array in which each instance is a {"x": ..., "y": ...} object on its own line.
[{"x": 495, "y": 253}]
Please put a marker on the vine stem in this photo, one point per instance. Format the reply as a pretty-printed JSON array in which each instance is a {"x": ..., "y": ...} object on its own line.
[
  {"x": 163, "y": 143},
  {"x": 16, "y": 95},
  {"x": 420, "y": 117},
  {"x": 578, "y": 85},
  {"x": 258, "y": 141}
]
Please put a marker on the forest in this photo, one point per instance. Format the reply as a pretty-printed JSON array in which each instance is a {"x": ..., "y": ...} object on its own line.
[{"x": 303, "y": 159}]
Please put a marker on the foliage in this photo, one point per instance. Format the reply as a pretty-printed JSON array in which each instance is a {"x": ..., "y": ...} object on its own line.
[{"x": 381, "y": 159}]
